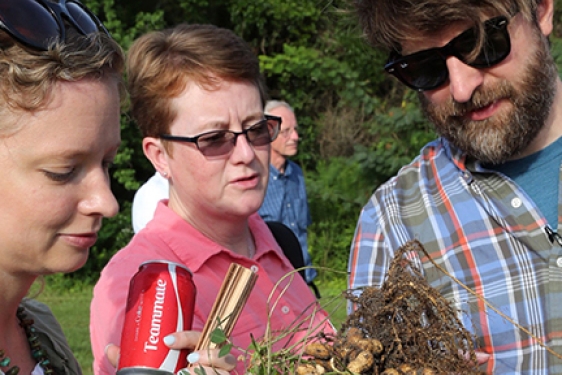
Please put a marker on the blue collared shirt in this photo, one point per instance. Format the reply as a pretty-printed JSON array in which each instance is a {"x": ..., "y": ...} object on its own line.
[{"x": 285, "y": 201}]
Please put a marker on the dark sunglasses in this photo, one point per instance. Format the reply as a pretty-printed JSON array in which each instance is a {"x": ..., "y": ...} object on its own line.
[
  {"x": 220, "y": 143},
  {"x": 37, "y": 23},
  {"x": 427, "y": 69}
]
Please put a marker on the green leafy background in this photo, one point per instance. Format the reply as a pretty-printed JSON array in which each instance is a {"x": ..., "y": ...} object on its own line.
[{"x": 358, "y": 126}]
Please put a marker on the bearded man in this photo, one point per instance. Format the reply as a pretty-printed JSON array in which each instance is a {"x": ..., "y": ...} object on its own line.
[{"x": 484, "y": 198}]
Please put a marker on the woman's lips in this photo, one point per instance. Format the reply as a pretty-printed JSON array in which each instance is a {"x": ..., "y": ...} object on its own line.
[
  {"x": 248, "y": 182},
  {"x": 82, "y": 241}
]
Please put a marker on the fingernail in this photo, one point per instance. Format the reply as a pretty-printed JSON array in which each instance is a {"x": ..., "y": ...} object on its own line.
[
  {"x": 169, "y": 340},
  {"x": 106, "y": 347},
  {"x": 193, "y": 358}
]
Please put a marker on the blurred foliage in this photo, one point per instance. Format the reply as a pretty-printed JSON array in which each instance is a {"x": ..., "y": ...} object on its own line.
[{"x": 358, "y": 126}]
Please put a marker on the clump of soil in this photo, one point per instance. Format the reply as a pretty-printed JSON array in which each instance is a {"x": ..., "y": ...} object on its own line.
[{"x": 404, "y": 327}]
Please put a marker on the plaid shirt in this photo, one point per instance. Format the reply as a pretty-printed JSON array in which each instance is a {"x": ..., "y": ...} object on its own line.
[{"x": 486, "y": 232}]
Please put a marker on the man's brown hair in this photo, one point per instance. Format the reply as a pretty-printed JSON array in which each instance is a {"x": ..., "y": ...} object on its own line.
[{"x": 391, "y": 23}]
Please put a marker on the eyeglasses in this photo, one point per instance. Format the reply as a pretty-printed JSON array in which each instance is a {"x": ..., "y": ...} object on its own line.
[
  {"x": 286, "y": 133},
  {"x": 427, "y": 70},
  {"x": 220, "y": 143},
  {"x": 37, "y": 23}
]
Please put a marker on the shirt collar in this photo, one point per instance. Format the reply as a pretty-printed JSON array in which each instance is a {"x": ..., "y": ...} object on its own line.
[
  {"x": 442, "y": 148},
  {"x": 178, "y": 233},
  {"x": 288, "y": 169}
]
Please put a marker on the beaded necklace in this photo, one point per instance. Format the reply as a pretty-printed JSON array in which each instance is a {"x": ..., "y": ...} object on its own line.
[{"x": 36, "y": 351}]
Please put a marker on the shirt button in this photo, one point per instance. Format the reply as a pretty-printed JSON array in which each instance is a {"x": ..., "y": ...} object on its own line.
[
  {"x": 285, "y": 309},
  {"x": 559, "y": 262},
  {"x": 288, "y": 205},
  {"x": 292, "y": 224},
  {"x": 254, "y": 269},
  {"x": 516, "y": 203}
]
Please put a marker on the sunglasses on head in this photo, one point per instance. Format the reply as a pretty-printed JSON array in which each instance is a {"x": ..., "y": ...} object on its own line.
[
  {"x": 220, "y": 143},
  {"x": 427, "y": 69},
  {"x": 37, "y": 23}
]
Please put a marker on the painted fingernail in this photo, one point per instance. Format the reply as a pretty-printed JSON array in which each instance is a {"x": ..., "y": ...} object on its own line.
[
  {"x": 169, "y": 340},
  {"x": 193, "y": 358}
]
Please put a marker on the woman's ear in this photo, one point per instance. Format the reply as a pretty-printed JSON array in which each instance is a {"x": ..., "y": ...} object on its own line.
[{"x": 155, "y": 151}]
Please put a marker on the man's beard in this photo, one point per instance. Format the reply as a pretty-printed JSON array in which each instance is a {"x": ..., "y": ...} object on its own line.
[{"x": 507, "y": 133}]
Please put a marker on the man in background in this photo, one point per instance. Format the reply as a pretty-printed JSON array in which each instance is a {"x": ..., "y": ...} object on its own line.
[{"x": 285, "y": 200}]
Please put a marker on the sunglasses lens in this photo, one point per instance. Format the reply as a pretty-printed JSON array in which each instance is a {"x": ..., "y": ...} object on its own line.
[
  {"x": 221, "y": 143},
  {"x": 260, "y": 135},
  {"x": 422, "y": 72},
  {"x": 29, "y": 22},
  {"x": 273, "y": 127},
  {"x": 83, "y": 20},
  {"x": 216, "y": 143},
  {"x": 216, "y": 150},
  {"x": 496, "y": 48}
]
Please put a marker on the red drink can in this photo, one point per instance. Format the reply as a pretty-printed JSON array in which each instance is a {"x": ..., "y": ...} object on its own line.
[{"x": 161, "y": 301}]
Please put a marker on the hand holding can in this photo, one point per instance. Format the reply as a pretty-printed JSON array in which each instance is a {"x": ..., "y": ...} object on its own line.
[{"x": 161, "y": 301}]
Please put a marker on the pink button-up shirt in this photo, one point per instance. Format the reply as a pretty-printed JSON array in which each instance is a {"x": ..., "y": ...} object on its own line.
[{"x": 169, "y": 237}]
